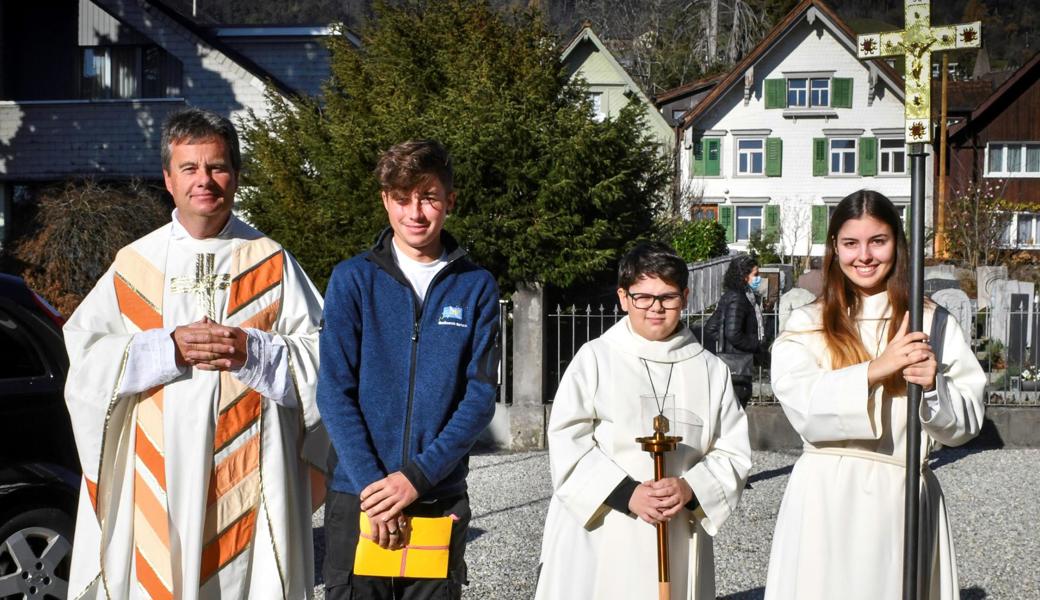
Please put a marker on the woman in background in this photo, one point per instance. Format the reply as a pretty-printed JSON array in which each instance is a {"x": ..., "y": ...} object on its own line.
[{"x": 736, "y": 326}]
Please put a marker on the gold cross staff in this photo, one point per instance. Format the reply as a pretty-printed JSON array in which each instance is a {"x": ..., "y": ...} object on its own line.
[
  {"x": 204, "y": 286},
  {"x": 916, "y": 43}
]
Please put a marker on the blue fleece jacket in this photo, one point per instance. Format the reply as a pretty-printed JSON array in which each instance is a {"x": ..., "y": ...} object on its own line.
[{"x": 403, "y": 386}]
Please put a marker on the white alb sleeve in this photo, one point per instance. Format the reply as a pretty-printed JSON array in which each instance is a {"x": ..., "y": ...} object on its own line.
[
  {"x": 266, "y": 369},
  {"x": 151, "y": 361}
]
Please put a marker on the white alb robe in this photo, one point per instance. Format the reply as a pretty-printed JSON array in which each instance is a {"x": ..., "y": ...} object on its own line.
[
  {"x": 592, "y": 551},
  {"x": 839, "y": 532},
  {"x": 275, "y": 558}
]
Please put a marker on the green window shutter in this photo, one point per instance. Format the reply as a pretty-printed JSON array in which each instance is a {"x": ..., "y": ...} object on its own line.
[
  {"x": 712, "y": 162},
  {"x": 728, "y": 223},
  {"x": 772, "y": 219},
  {"x": 841, "y": 92},
  {"x": 774, "y": 156},
  {"x": 698, "y": 157},
  {"x": 868, "y": 156},
  {"x": 819, "y": 224},
  {"x": 776, "y": 93},
  {"x": 819, "y": 157},
  {"x": 908, "y": 224}
]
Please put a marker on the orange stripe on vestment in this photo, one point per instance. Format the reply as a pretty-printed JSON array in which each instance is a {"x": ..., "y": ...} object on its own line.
[
  {"x": 151, "y": 516},
  {"x": 236, "y": 418},
  {"x": 151, "y": 457},
  {"x": 152, "y": 510},
  {"x": 134, "y": 306},
  {"x": 264, "y": 319},
  {"x": 148, "y": 579},
  {"x": 253, "y": 282},
  {"x": 91, "y": 492},
  {"x": 233, "y": 469},
  {"x": 229, "y": 544}
]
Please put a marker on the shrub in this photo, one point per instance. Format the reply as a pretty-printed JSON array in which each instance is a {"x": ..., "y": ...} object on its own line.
[
  {"x": 700, "y": 240},
  {"x": 75, "y": 232}
]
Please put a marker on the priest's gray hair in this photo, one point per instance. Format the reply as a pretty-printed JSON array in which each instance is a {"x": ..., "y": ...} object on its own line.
[{"x": 193, "y": 125}]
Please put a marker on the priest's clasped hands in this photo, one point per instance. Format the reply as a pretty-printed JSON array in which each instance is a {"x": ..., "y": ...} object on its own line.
[
  {"x": 658, "y": 501},
  {"x": 209, "y": 346}
]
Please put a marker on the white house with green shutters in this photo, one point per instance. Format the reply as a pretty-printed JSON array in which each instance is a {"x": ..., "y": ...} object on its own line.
[{"x": 799, "y": 124}]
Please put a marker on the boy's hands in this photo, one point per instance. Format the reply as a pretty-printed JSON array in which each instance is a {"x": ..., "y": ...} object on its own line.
[
  {"x": 383, "y": 501},
  {"x": 658, "y": 501}
]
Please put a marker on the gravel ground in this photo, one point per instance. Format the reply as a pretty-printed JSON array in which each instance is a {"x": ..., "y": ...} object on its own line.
[{"x": 991, "y": 495}]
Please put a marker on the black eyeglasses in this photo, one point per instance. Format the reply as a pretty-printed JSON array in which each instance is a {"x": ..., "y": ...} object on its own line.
[{"x": 645, "y": 301}]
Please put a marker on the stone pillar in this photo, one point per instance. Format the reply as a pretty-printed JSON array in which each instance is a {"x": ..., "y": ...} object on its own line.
[{"x": 527, "y": 413}]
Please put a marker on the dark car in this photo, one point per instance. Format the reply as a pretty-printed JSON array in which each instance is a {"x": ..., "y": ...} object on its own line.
[{"x": 39, "y": 468}]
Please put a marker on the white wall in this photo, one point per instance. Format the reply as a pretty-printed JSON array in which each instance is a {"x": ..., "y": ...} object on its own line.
[{"x": 806, "y": 48}]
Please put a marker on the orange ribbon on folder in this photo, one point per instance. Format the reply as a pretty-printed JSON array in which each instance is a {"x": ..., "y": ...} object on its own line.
[{"x": 424, "y": 557}]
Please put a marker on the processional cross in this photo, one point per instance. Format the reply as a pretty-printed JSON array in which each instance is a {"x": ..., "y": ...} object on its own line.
[
  {"x": 916, "y": 43},
  {"x": 204, "y": 285}
]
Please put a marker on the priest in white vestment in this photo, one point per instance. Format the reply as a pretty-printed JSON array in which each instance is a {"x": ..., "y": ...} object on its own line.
[
  {"x": 839, "y": 531},
  {"x": 598, "y": 542},
  {"x": 191, "y": 392}
]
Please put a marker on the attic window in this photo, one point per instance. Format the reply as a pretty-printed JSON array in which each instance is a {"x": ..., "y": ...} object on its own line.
[
  {"x": 133, "y": 71},
  {"x": 596, "y": 100}
]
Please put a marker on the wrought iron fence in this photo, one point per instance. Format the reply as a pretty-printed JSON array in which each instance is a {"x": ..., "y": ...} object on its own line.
[{"x": 1007, "y": 346}]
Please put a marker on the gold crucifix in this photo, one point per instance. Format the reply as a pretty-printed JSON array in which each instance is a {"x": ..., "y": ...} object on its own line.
[
  {"x": 204, "y": 285},
  {"x": 916, "y": 43}
]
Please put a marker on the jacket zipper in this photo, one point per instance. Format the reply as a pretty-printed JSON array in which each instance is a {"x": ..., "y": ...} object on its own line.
[{"x": 418, "y": 312}]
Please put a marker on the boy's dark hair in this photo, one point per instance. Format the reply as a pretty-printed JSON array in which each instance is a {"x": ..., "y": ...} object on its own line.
[
  {"x": 652, "y": 259},
  {"x": 408, "y": 164},
  {"x": 193, "y": 125}
]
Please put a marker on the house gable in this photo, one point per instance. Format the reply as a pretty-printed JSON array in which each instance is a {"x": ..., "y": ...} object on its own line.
[
  {"x": 587, "y": 57},
  {"x": 799, "y": 124}
]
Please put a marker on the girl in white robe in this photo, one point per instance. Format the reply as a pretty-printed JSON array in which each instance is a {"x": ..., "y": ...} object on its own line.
[
  {"x": 839, "y": 532},
  {"x": 595, "y": 546}
]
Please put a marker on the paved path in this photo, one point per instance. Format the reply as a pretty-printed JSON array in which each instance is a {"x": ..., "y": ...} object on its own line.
[{"x": 993, "y": 498}]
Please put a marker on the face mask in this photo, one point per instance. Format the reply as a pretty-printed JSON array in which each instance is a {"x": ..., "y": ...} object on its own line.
[{"x": 756, "y": 282}]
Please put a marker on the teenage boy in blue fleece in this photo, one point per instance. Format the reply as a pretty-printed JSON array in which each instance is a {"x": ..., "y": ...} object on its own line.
[{"x": 407, "y": 379}]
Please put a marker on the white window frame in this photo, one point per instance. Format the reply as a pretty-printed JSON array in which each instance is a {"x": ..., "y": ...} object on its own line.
[
  {"x": 1024, "y": 148},
  {"x": 1011, "y": 237},
  {"x": 750, "y": 153},
  {"x": 854, "y": 152},
  {"x": 751, "y": 220},
  {"x": 821, "y": 90},
  {"x": 596, "y": 100},
  {"x": 803, "y": 92},
  {"x": 890, "y": 153}
]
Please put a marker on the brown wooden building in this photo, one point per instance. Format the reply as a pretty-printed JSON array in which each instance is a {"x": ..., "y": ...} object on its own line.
[{"x": 1000, "y": 141}]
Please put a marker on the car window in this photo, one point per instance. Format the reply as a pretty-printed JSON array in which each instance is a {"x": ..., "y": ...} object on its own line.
[{"x": 18, "y": 357}]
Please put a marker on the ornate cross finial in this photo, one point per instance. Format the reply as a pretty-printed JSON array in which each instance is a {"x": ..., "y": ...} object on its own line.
[
  {"x": 916, "y": 43},
  {"x": 204, "y": 285}
]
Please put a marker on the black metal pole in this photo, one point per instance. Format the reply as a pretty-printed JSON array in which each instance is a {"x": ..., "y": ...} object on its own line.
[{"x": 912, "y": 507}]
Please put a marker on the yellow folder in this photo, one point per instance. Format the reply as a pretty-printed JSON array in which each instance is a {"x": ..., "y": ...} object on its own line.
[{"x": 425, "y": 556}]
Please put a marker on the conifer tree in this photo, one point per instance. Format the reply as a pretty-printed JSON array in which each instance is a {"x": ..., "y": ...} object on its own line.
[{"x": 546, "y": 194}]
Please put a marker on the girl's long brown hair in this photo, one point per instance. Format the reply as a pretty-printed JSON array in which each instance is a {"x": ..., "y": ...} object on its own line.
[{"x": 841, "y": 298}]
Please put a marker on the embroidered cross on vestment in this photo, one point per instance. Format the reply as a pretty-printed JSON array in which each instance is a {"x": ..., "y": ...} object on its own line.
[{"x": 204, "y": 285}]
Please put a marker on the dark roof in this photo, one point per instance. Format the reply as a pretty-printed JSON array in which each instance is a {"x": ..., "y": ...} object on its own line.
[
  {"x": 687, "y": 88},
  {"x": 204, "y": 34},
  {"x": 788, "y": 22},
  {"x": 1026, "y": 76}
]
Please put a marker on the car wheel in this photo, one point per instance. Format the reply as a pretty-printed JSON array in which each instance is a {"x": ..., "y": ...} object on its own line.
[{"x": 35, "y": 555}]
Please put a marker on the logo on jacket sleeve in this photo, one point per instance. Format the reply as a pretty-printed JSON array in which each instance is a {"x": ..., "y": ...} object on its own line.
[{"x": 451, "y": 315}]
